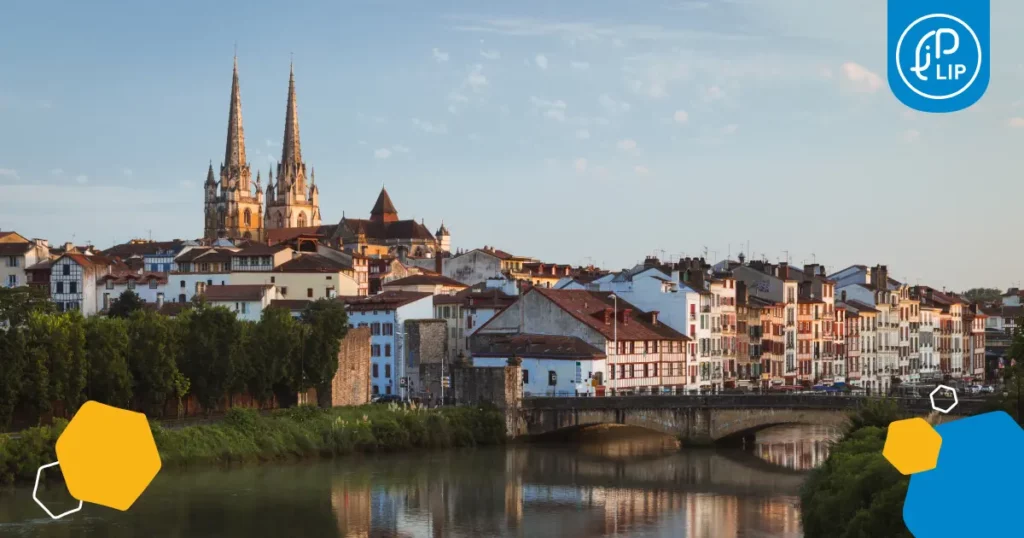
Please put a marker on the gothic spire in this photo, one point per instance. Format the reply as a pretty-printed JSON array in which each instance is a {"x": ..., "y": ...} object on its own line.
[
  {"x": 234, "y": 154},
  {"x": 209, "y": 176},
  {"x": 291, "y": 150}
]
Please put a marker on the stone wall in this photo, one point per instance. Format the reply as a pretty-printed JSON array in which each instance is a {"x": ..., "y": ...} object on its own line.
[
  {"x": 501, "y": 387},
  {"x": 426, "y": 351},
  {"x": 351, "y": 384}
]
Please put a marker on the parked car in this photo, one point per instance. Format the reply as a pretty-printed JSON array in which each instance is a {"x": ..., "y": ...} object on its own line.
[
  {"x": 387, "y": 399},
  {"x": 988, "y": 389}
]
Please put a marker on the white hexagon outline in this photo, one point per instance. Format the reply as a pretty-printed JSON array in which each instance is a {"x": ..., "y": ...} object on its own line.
[
  {"x": 931, "y": 398},
  {"x": 35, "y": 490}
]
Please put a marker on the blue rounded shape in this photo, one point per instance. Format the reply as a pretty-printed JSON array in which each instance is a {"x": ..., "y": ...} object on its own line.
[{"x": 962, "y": 496}]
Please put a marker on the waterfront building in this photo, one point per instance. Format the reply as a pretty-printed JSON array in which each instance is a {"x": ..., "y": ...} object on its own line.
[
  {"x": 247, "y": 301},
  {"x": 17, "y": 254}
]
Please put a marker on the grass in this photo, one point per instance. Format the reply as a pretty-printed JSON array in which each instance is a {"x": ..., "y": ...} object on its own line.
[{"x": 246, "y": 436}]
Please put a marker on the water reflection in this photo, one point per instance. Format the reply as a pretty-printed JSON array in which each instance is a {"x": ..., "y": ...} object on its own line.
[
  {"x": 643, "y": 487},
  {"x": 799, "y": 448}
]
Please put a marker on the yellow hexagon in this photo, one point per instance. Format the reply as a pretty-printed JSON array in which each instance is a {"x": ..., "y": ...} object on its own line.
[
  {"x": 912, "y": 446},
  {"x": 107, "y": 455}
]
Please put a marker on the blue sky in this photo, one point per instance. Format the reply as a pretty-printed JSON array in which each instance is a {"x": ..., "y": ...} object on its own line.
[{"x": 576, "y": 132}]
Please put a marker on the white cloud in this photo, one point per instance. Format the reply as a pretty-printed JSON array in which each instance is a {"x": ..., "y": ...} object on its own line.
[
  {"x": 490, "y": 54},
  {"x": 714, "y": 93},
  {"x": 382, "y": 153},
  {"x": 541, "y": 61},
  {"x": 641, "y": 170},
  {"x": 861, "y": 79},
  {"x": 627, "y": 144},
  {"x": 270, "y": 143},
  {"x": 1016, "y": 123},
  {"x": 476, "y": 79},
  {"x": 580, "y": 165},
  {"x": 613, "y": 105},
  {"x": 9, "y": 174},
  {"x": 44, "y": 104},
  {"x": 83, "y": 179},
  {"x": 582, "y": 134},
  {"x": 127, "y": 172},
  {"x": 574, "y": 32},
  {"x": 186, "y": 184},
  {"x": 398, "y": 148},
  {"x": 681, "y": 116},
  {"x": 362, "y": 142},
  {"x": 429, "y": 127},
  {"x": 730, "y": 129},
  {"x": 911, "y": 135},
  {"x": 581, "y": 66},
  {"x": 826, "y": 72},
  {"x": 473, "y": 137},
  {"x": 57, "y": 172},
  {"x": 552, "y": 109},
  {"x": 457, "y": 97},
  {"x": 440, "y": 56}
]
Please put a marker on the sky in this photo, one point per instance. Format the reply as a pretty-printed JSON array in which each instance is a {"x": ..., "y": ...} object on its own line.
[{"x": 575, "y": 131}]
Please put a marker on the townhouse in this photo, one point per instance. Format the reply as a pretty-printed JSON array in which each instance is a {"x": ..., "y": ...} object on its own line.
[
  {"x": 17, "y": 254},
  {"x": 642, "y": 355}
]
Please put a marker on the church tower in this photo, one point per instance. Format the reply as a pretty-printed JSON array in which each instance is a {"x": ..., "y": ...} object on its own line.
[
  {"x": 232, "y": 208},
  {"x": 292, "y": 203}
]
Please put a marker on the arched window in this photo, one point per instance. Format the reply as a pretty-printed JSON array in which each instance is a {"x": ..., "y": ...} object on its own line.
[
  {"x": 280, "y": 221},
  {"x": 247, "y": 218},
  {"x": 301, "y": 222}
]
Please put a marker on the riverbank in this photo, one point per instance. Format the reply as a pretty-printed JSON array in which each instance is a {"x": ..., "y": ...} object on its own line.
[{"x": 246, "y": 436}]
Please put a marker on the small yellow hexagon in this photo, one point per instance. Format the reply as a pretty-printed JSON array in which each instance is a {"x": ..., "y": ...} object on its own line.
[
  {"x": 107, "y": 455},
  {"x": 912, "y": 446}
]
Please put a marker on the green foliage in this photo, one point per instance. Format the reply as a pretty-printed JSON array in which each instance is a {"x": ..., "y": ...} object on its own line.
[
  {"x": 127, "y": 304},
  {"x": 20, "y": 457},
  {"x": 16, "y": 304},
  {"x": 12, "y": 369},
  {"x": 152, "y": 359},
  {"x": 857, "y": 493},
  {"x": 273, "y": 348},
  {"x": 106, "y": 350},
  {"x": 208, "y": 352},
  {"x": 327, "y": 324},
  {"x": 983, "y": 295}
]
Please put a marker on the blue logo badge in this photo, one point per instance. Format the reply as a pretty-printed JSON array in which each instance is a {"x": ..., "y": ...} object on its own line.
[{"x": 939, "y": 53}]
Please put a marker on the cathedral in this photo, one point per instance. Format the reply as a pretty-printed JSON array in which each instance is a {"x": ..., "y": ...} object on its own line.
[{"x": 234, "y": 205}]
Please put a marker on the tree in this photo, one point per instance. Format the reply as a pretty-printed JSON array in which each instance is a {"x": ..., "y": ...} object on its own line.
[
  {"x": 125, "y": 305},
  {"x": 983, "y": 295},
  {"x": 152, "y": 359},
  {"x": 17, "y": 303},
  {"x": 273, "y": 348},
  {"x": 211, "y": 335},
  {"x": 327, "y": 323},
  {"x": 58, "y": 342},
  {"x": 12, "y": 366},
  {"x": 106, "y": 351}
]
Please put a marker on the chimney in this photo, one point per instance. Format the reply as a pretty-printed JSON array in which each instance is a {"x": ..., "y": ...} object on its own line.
[
  {"x": 41, "y": 243},
  {"x": 626, "y": 314},
  {"x": 654, "y": 318},
  {"x": 783, "y": 270},
  {"x": 843, "y": 296},
  {"x": 159, "y": 301},
  {"x": 608, "y": 313}
]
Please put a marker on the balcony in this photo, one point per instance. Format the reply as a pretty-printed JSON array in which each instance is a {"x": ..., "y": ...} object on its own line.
[{"x": 705, "y": 309}]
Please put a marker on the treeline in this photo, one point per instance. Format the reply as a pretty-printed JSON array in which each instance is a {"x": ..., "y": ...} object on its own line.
[{"x": 51, "y": 363}]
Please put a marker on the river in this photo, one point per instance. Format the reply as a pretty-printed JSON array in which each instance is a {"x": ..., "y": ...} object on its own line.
[{"x": 635, "y": 485}]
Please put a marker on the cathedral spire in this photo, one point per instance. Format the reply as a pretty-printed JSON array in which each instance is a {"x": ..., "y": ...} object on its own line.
[
  {"x": 209, "y": 176},
  {"x": 291, "y": 149},
  {"x": 234, "y": 154}
]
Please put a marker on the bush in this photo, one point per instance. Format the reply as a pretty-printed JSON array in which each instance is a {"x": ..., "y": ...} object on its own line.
[{"x": 246, "y": 436}]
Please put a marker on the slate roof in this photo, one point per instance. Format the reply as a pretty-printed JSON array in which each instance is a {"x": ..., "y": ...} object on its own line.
[{"x": 534, "y": 346}]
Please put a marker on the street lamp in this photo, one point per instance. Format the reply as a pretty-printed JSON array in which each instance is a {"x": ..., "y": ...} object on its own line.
[{"x": 615, "y": 321}]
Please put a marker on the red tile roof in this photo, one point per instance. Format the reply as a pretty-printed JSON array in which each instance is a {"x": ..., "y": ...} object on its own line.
[
  {"x": 386, "y": 300},
  {"x": 378, "y": 230},
  {"x": 290, "y": 304},
  {"x": 425, "y": 280},
  {"x": 860, "y": 307},
  {"x": 260, "y": 249},
  {"x": 142, "y": 248},
  {"x": 589, "y": 307},
  {"x": 312, "y": 263},
  {"x": 282, "y": 235},
  {"x": 534, "y": 346},
  {"x": 236, "y": 292},
  {"x": 14, "y": 249}
]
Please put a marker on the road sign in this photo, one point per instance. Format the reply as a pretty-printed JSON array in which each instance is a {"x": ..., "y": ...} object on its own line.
[{"x": 403, "y": 382}]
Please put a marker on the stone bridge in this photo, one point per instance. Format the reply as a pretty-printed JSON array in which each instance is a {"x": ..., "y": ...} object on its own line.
[{"x": 706, "y": 419}]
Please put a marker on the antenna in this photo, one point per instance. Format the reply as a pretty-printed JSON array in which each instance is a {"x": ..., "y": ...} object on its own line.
[
  {"x": 786, "y": 252},
  {"x": 815, "y": 258}
]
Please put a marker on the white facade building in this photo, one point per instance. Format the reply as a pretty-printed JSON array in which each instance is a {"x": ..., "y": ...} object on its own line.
[
  {"x": 551, "y": 365},
  {"x": 385, "y": 314},
  {"x": 73, "y": 281},
  {"x": 17, "y": 253},
  {"x": 247, "y": 301}
]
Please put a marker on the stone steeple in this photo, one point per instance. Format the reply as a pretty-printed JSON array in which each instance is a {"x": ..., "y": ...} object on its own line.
[
  {"x": 291, "y": 170},
  {"x": 291, "y": 202},
  {"x": 234, "y": 152}
]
